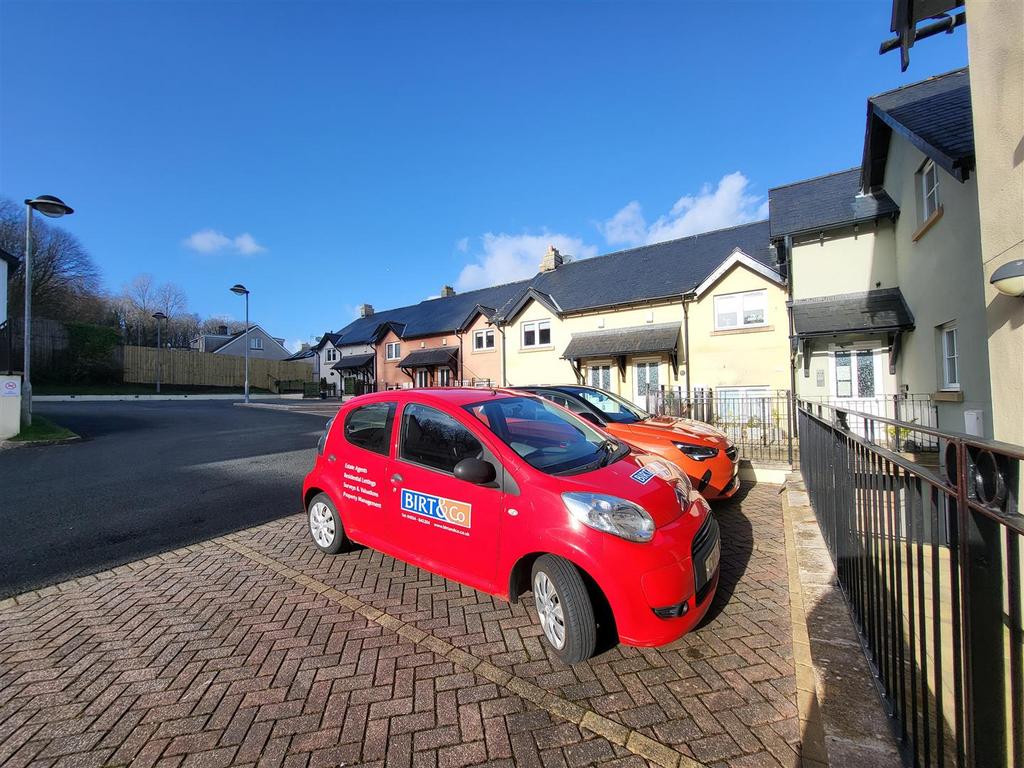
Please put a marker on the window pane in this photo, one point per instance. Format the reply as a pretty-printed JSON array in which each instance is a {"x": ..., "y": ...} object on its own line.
[
  {"x": 369, "y": 427},
  {"x": 844, "y": 375},
  {"x": 435, "y": 439},
  {"x": 865, "y": 374},
  {"x": 544, "y": 334},
  {"x": 727, "y": 311},
  {"x": 529, "y": 336},
  {"x": 489, "y": 339}
]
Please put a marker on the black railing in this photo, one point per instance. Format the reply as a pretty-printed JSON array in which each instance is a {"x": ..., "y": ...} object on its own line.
[
  {"x": 759, "y": 425},
  {"x": 929, "y": 559}
]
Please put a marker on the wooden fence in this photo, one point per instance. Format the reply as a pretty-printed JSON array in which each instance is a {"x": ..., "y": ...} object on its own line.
[{"x": 205, "y": 369}]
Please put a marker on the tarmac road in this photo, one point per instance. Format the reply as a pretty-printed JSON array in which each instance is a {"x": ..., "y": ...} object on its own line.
[{"x": 146, "y": 477}]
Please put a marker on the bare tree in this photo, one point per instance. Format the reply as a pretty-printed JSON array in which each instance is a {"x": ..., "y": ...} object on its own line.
[{"x": 170, "y": 299}]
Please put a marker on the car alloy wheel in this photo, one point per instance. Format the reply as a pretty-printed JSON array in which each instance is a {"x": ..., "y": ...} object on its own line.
[
  {"x": 321, "y": 524},
  {"x": 549, "y": 610}
]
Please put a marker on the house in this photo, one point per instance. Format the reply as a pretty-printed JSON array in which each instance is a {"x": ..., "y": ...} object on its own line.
[
  {"x": 884, "y": 264},
  {"x": 306, "y": 354},
  {"x": 8, "y": 265},
  {"x": 699, "y": 312},
  {"x": 260, "y": 343}
]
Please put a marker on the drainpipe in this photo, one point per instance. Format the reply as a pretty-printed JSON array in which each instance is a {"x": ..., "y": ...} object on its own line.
[
  {"x": 787, "y": 246},
  {"x": 462, "y": 363},
  {"x": 501, "y": 329},
  {"x": 686, "y": 344}
]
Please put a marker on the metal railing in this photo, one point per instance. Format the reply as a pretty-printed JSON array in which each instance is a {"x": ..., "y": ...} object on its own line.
[
  {"x": 916, "y": 409},
  {"x": 930, "y": 562},
  {"x": 760, "y": 426}
]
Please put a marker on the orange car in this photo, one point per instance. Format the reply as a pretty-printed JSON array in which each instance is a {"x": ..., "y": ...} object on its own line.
[{"x": 701, "y": 451}]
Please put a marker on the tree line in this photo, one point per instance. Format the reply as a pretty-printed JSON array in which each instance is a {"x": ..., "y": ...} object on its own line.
[{"x": 66, "y": 286}]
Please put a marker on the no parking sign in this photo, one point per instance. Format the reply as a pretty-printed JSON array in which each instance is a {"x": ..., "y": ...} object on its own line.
[{"x": 10, "y": 388}]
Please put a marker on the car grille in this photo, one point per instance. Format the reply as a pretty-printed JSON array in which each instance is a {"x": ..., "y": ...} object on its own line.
[
  {"x": 731, "y": 452},
  {"x": 703, "y": 543},
  {"x": 700, "y": 541}
]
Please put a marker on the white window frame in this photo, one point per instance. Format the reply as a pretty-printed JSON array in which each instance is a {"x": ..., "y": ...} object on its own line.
[
  {"x": 444, "y": 377},
  {"x": 536, "y": 326},
  {"x": 256, "y": 342},
  {"x": 761, "y": 294},
  {"x": 422, "y": 378},
  {"x": 950, "y": 351},
  {"x": 480, "y": 339},
  {"x": 393, "y": 345},
  {"x": 928, "y": 190}
]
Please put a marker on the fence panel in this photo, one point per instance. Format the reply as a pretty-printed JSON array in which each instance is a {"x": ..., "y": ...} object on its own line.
[
  {"x": 930, "y": 563},
  {"x": 760, "y": 426},
  {"x": 189, "y": 367}
]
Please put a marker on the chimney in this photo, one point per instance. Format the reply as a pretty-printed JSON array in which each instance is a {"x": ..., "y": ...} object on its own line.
[
  {"x": 552, "y": 260},
  {"x": 365, "y": 310},
  {"x": 446, "y": 291},
  {"x": 222, "y": 330}
]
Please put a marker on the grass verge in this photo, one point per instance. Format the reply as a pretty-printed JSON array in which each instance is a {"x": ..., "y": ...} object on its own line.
[{"x": 41, "y": 430}]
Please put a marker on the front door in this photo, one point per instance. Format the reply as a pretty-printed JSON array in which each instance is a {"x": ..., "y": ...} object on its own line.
[
  {"x": 646, "y": 381},
  {"x": 447, "y": 525}
]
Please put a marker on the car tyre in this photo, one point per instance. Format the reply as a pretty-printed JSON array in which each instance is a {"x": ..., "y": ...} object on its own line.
[
  {"x": 325, "y": 526},
  {"x": 564, "y": 608}
]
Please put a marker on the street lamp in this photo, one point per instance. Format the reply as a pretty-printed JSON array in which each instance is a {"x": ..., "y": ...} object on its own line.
[
  {"x": 54, "y": 207},
  {"x": 158, "y": 316},
  {"x": 241, "y": 290}
]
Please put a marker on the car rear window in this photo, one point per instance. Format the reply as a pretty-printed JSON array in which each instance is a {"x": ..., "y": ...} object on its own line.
[{"x": 369, "y": 427}]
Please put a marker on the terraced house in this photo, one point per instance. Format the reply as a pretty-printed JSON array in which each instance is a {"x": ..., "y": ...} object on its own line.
[{"x": 885, "y": 266}]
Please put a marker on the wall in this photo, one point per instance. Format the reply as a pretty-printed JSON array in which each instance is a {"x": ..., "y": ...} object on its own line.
[
  {"x": 388, "y": 372},
  {"x": 326, "y": 372},
  {"x": 194, "y": 368},
  {"x": 10, "y": 405},
  {"x": 941, "y": 279},
  {"x": 996, "y": 56},
  {"x": 537, "y": 366},
  {"x": 272, "y": 350},
  {"x": 848, "y": 261},
  {"x": 822, "y": 363},
  {"x": 747, "y": 357},
  {"x": 481, "y": 364}
]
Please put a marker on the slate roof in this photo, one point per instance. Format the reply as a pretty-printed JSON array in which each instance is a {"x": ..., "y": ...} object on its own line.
[
  {"x": 12, "y": 261},
  {"x": 302, "y": 354},
  {"x": 424, "y": 358},
  {"x": 879, "y": 310},
  {"x": 352, "y": 362},
  {"x": 334, "y": 338},
  {"x": 623, "y": 341},
  {"x": 934, "y": 115},
  {"x": 654, "y": 271},
  {"x": 824, "y": 203}
]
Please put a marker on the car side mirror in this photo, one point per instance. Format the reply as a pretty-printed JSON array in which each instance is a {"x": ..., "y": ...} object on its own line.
[
  {"x": 476, "y": 471},
  {"x": 588, "y": 416}
]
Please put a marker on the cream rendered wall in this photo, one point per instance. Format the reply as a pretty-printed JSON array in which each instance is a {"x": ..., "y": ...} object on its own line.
[
  {"x": 847, "y": 261},
  {"x": 942, "y": 280},
  {"x": 748, "y": 357},
  {"x": 536, "y": 366},
  {"x": 997, "y": 91},
  {"x": 820, "y": 382},
  {"x": 481, "y": 364}
]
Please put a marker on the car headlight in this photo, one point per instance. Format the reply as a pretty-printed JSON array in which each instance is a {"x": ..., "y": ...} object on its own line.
[
  {"x": 697, "y": 452},
  {"x": 610, "y": 514}
]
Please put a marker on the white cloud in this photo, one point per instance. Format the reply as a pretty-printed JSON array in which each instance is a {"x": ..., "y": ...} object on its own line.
[
  {"x": 212, "y": 241},
  {"x": 503, "y": 258},
  {"x": 727, "y": 204},
  {"x": 462, "y": 245},
  {"x": 295, "y": 345}
]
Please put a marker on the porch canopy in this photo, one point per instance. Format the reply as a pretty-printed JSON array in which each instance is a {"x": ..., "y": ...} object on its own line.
[
  {"x": 619, "y": 342},
  {"x": 353, "y": 362},
  {"x": 430, "y": 358},
  {"x": 882, "y": 311},
  {"x": 866, "y": 312}
]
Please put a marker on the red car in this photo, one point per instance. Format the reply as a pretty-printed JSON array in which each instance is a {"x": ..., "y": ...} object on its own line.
[{"x": 508, "y": 493}]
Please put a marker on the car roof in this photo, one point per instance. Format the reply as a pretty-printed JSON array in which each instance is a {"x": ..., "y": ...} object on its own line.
[{"x": 453, "y": 396}]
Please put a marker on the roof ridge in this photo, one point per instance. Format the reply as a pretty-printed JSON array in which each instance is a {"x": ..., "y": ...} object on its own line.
[
  {"x": 660, "y": 242},
  {"x": 470, "y": 293},
  {"x": 813, "y": 178},
  {"x": 931, "y": 79}
]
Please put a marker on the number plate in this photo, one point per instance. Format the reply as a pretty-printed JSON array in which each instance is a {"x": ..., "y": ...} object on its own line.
[{"x": 711, "y": 562}]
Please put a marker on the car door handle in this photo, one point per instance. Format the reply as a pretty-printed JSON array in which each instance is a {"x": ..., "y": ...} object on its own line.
[{"x": 396, "y": 478}]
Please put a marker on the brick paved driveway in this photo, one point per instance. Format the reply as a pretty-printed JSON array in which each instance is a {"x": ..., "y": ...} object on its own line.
[{"x": 254, "y": 649}]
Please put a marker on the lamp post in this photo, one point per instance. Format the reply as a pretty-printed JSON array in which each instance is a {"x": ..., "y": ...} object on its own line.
[
  {"x": 158, "y": 316},
  {"x": 241, "y": 290},
  {"x": 53, "y": 207}
]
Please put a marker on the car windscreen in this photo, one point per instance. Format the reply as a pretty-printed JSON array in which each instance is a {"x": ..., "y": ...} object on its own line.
[
  {"x": 547, "y": 437},
  {"x": 612, "y": 407}
]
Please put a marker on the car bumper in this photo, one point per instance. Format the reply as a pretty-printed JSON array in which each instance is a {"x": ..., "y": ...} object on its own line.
[
  {"x": 671, "y": 597},
  {"x": 722, "y": 476}
]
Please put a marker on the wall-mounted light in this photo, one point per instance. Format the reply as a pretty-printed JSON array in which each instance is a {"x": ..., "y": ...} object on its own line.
[{"x": 1009, "y": 278}]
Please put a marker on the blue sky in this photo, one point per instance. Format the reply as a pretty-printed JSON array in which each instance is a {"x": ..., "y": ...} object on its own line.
[{"x": 328, "y": 154}]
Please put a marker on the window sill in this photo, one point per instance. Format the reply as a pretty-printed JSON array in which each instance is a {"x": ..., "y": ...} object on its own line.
[
  {"x": 546, "y": 348},
  {"x": 481, "y": 351},
  {"x": 927, "y": 224},
  {"x": 948, "y": 396},
  {"x": 750, "y": 329}
]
